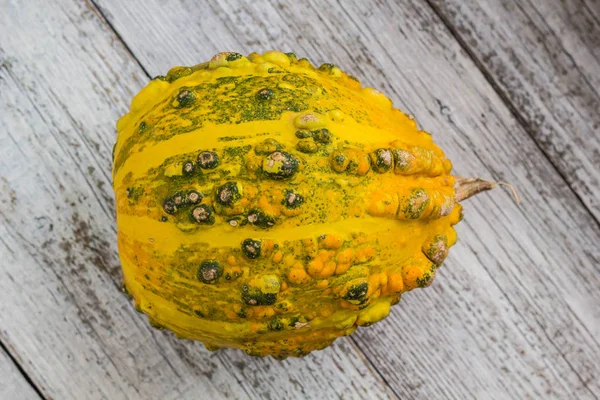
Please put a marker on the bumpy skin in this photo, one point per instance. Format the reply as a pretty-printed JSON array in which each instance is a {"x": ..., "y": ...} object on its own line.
[{"x": 271, "y": 206}]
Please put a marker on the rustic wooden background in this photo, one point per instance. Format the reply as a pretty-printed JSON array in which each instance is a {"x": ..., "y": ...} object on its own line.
[{"x": 508, "y": 87}]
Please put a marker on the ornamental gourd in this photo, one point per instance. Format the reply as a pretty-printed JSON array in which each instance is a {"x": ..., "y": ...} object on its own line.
[{"x": 272, "y": 206}]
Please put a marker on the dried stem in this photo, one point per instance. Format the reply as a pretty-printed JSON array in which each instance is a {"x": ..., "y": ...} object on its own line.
[{"x": 468, "y": 187}]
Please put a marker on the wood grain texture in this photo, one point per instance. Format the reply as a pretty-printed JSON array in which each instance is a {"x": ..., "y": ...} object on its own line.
[
  {"x": 550, "y": 78},
  {"x": 13, "y": 384},
  {"x": 515, "y": 312},
  {"x": 64, "y": 80}
]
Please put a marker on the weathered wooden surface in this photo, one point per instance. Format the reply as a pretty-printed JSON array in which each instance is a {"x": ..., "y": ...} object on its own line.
[
  {"x": 515, "y": 312},
  {"x": 545, "y": 61},
  {"x": 12, "y": 382}
]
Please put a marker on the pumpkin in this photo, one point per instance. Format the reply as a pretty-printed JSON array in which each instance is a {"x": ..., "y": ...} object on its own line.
[{"x": 272, "y": 206}]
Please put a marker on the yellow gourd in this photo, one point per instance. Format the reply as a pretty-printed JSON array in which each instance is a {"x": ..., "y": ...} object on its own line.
[{"x": 272, "y": 206}]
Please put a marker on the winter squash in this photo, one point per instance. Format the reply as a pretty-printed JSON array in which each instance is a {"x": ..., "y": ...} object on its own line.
[{"x": 272, "y": 206}]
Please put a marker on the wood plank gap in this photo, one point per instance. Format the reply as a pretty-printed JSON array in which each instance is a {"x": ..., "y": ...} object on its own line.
[
  {"x": 560, "y": 46},
  {"x": 15, "y": 361},
  {"x": 593, "y": 12},
  {"x": 511, "y": 107},
  {"x": 373, "y": 367},
  {"x": 91, "y": 4}
]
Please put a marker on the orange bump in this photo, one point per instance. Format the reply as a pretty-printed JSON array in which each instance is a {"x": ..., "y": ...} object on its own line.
[
  {"x": 325, "y": 255},
  {"x": 330, "y": 241},
  {"x": 395, "y": 283},
  {"x": 267, "y": 244},
  {"x": 308, "y": 243},
  {"x": 345, "y": 256},
  {"x": 328, "y": 269},
  {"x": 315, "y": 267},
  {"x": 341, "y": 268},
  {"x": 262, "y": 311},
  {"x": 277, "y": 257},
  {"x": 298, "y": 276},
  {"x": 373, "y": 284},
  {"x": 322, "y": 284},
  {"x": 364, "y": 254},
  {"x": 363, "y": 166}
]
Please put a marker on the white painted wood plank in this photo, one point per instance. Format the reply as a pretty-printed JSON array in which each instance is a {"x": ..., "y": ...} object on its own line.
[
  {"x": 515, "y": 312},
  {"x": 544, "y": 56},
  {"x": 64, "y": 80},
  {"x": 13, "y": 384}
]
